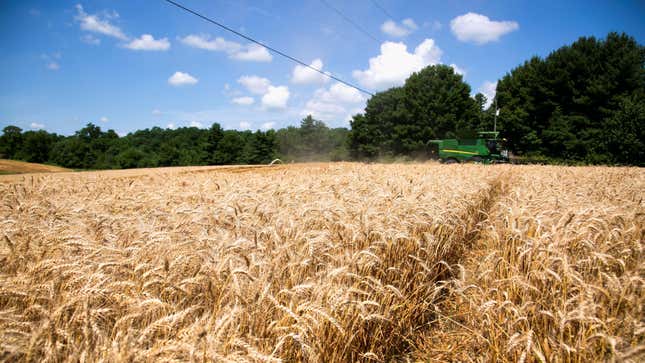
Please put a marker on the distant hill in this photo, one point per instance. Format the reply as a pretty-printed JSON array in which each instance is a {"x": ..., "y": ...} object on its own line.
[{"x": 21, "y": 167}]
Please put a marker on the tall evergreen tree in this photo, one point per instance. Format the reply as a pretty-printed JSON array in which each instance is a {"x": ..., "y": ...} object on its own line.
[
  {"x": 434, "y": 103},
  {"x": 215, "y": 134},
  {"x": 10, "y": 141},
  {"x": 573, "y": 104}
]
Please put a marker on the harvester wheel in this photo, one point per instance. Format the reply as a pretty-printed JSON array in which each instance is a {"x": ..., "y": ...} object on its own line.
[
  {"x": 476, "y": 160},
  {"x": 451, "y": 161}
]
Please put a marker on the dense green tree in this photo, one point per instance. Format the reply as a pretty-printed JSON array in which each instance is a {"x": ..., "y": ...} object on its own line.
[
  {"x": 93, "y": 148},
  {"x": 215, "y": 134},
  {"x": 365, "y": 139},
  {"x": 169, "y": 154},
  {"x": 89, "y": 133},
  {"x": 36, "y": 146},
  {"x": 87, "y": 149},
  {"x": 311, "y": 141},
  {"x": 229, "y": 149},
  {"x": 434, "y": 103},
  {"x": 439, "y": 103},
  {"x": 384, "y": 128},
  {"x": 289, "y": 143},
  {"x": 10, "y": 141},
  {"x": 486, "y": 119},
  {"x": 626, "y": 131},
  {"x": 339, "y": 144},
  {"x": 573, "y": 103},
  {"x": 388, "y": 124},
  {"x": 315, "y": 140},
  {"x": 260, "y": 148},
  {"x": 131, "y": 158},
  {"x": 70, "y": 152}
]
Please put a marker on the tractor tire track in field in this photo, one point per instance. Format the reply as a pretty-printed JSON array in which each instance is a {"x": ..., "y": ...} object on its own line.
[
  {"x": 525, "y": 285},
  {"x": 476, "y": 217},
  {"x": 445, "y": 250}
]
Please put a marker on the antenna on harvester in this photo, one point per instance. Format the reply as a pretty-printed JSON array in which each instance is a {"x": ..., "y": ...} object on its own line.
[{"x": 496, "y": 114}]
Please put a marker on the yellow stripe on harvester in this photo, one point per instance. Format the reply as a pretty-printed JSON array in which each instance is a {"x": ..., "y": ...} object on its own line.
[{"x": 460, "y": 152}]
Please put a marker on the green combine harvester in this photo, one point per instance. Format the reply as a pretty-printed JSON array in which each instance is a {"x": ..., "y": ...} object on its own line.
[{"x": 487, "y": 148}]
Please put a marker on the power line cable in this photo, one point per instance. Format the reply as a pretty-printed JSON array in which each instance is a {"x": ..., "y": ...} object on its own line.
[
  {"x": 267, "y": 47},
  {"x": 347, "y": 19},
  {"x": 387, "y": 13}
]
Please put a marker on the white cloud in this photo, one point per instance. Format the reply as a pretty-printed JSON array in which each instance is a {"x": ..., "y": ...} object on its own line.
[
  {"x": 171, "y": 126},
  {"x": 253, "y": 53},
  {"x": 434, "y": 25},
  {"x": 255, "y": 84},
  {"x": 204, "y": 42},
  {"x": 229, "y": 117},
  {"x": 104, "y": 119},
  {"x": 393, "y": 29},
  {"x": 249, "y": 52},
  {"x": 51, "y": 60},
  {"x": 395, "y": 64},
  {"x": 181, "y": 78},
  {"x": 273, "y": 97},
  {"x": 304, "y": 75},
  {"x": 196, "y": 124},
  {"x": 36, "y": 125},
  {"x": 90, "y": 39},
  {"x": 148, "y": 42},
  {"x": 458, "y": 70},
  {"x": 93, "y": 23},
  {"x": 323, "y": 110},
  {"x": 488, "y": 89},
  {"x": 245, "y": 125},
  {"x": 156, "y": 112},
  {"x": 268, "y": 125},
  {"x": 276, "y": 97},
  {"x": 243, "y": 101},
  {"x": 339, "y": 92},
  {"x": 479, "y": 29},
  {"x": 334, "y": 103},
  {"x": 410, "y": 24}
]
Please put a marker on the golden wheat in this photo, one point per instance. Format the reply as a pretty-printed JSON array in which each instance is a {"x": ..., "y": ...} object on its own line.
[{"x": 324, "y": 262}]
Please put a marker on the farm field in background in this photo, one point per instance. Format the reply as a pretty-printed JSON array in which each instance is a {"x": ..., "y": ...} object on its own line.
[
  {"x": 21, "y": 167},
  {"x": 328, "y": 262}
]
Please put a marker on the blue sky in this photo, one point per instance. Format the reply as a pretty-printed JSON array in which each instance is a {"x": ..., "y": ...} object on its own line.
[{"x": 128, "y": 65}]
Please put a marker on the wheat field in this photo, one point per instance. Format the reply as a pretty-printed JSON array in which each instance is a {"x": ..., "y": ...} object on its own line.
[
  {"x": 340, "y": 262},
  {"x": 19, "y": 167}
]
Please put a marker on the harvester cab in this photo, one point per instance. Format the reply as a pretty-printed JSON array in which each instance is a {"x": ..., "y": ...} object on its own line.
[{"x": 487, "y": 148}]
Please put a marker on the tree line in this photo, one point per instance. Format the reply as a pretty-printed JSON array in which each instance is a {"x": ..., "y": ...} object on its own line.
[
  {"x": 584, "y": 102},
  {"x": 93, "y": 148}
]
